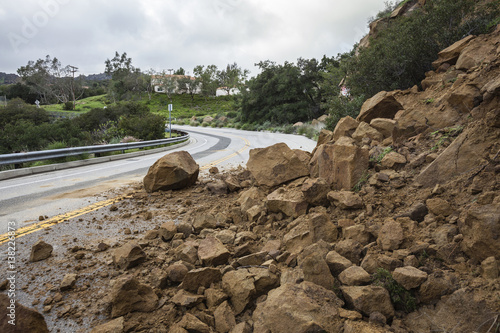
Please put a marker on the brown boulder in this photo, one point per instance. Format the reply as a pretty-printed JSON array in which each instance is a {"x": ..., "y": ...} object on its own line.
[
  {"x": 224, "y": 318},
  {"x": 304, "y": 307},
  {"x": 392, "y": 160},
  {"x": 275, "y": 165},
  {"x": 321, "y": 227},
  {"x": 317, "y": 271},
  {"x": 337, "y": 263},
  {"x": 167, "y": 231},
  {"x": 438, "y": 206},
  {"x": 366, "y": 131},
  {"x": 368, "y": 299},
  {"x": 112, "y": 326},
  {"x": 390, "y": 236},
  {"x": 382, "y": 105},
  {"x": 384, "y": 126},
  {"x": 345, "y": 127},
  {"x": 129, "y": 295},
  {"x": 290, "y": 202},
  {"x": 18, "y": 318},
  {"x": 201, "y": 277},
  {"x": 128, "y": 255},
  {"x": 409, "y": 277},
  {"x": 345, "y": 199},
  {"x": 315, "y": 191},
  {"x": 481, "y": 229},
  {"x": 212, "y": 252},
  {"x": 172, "y": 172},
  {"x": 451, "y": 53},
  {"x": 244, "y": 285},
  {"x": 354, "y": 276},
  {"x": 40, "y": 251}
]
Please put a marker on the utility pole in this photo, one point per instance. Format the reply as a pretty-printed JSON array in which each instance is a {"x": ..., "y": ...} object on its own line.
[{"x": 73, "y": 70}]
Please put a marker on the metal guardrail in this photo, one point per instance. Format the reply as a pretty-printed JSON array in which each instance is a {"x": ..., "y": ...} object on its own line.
[{"x": 17, "y": 158}]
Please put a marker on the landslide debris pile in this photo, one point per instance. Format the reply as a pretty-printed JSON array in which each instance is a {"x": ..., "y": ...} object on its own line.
[{"x": 391, "y": 224}]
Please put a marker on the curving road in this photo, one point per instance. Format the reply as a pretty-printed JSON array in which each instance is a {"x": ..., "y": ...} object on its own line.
[{"x": 23, "y": 200}]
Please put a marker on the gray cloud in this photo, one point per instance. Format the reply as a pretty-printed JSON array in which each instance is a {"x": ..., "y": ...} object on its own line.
[{"x": 171, "y": 34}]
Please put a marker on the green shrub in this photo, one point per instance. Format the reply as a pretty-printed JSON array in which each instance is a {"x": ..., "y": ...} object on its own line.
[
  {"x": 68, "y": 106},
  {"x": 401, "y": 298}
]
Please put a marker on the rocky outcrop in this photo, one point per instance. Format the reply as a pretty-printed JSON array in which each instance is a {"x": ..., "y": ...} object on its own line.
[{"x": 172, "y": 172}]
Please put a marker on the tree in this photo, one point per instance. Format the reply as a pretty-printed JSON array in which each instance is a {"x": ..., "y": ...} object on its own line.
[
  {"x": 51, "y": 81},
  {"x": 283, "y": 94},
  {"x": 232, "y": 77},
  {"x": 189, "y": 84},
  {"x": 208, "y": 79},
  {"x": 126, "y": 80},
  {"x": 180, "y": 71}
]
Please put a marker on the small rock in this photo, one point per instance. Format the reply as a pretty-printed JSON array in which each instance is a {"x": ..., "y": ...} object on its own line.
[
  {"x": 490, "y": 267},
  {"x": 201, "y": 277},
  {"x": 337, "y": 263},
  {"x": 167, "y": 231},
  {"x": 439, "y": 206},
  {"x": 212, "y": 252},
  {"x": 68, "y": 282},
  {"x": 102, "y": 247},
  {"x": 409, "y": 277},
  {"x": 128, "y": 255},
  {"x": 184, "y": 298},
  {"x": 40, "y": 251},
  {"x": 354, "y": 276},
  {"x": 345, "y": 199},
  {"x": 113, "y": 326}
]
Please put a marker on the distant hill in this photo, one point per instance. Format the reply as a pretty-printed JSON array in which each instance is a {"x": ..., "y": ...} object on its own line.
[{"x": 8, "y": 78}]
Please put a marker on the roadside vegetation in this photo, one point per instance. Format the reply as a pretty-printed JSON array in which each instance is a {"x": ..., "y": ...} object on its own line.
[{"x": 78, "y": 110}]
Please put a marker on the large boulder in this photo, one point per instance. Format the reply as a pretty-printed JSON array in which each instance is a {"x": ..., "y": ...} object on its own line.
[
  {"x": 128, "y": 255},
  {"x": 304, "y": 307},
  {"x": 390, "y": 236},
  {"x": 244, "y": 285},
  {"x": 451, "y": 53},
  {"x": 382, "y": 105},
  {"x": 345, "y": 127},
  {"x": 481, "y": 229},
  {"x": 275, "y": 165},
  {"x": 18, "y": 318},
  {"x": 341, "y": 164},
  {"x": 368, "y": 299},
  {"x": 172, "y": 172},
  {"x": 212, "y": 252},
  {"x": 201, "y": 277},
  {"x": 129, "y": 295},
  {"x": 290, "y": 202},
  {"x": 316, "y": 271}
]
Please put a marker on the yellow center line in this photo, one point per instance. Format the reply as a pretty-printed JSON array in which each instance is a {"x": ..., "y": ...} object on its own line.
[
  {"x": 61, "y": 218},
  {"x": 98, "y": 205}
]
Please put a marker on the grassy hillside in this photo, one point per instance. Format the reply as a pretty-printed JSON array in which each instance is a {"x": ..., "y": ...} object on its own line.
[{"x": 184, "y": 106}]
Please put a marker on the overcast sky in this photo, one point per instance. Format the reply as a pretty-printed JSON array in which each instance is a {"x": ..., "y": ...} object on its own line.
[{"x": 163, "y": 34}]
